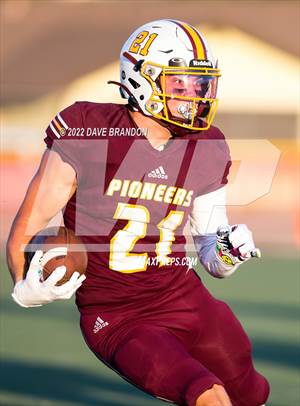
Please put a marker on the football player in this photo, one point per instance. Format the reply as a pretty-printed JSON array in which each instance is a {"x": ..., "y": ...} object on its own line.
[{"x": 144, "y": 311}]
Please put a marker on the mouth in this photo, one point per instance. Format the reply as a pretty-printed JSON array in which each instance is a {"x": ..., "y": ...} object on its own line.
[{"x": 187, "y": 110}]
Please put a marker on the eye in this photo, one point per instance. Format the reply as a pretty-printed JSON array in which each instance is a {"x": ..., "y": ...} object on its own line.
[
  {"x": 178, "y": 82},
  {"x": 200, "y": 83},
  {"x": 179, "y": 91}
]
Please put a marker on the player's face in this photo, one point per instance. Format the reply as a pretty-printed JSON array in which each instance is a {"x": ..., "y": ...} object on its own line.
[{"x": 180, "y": 87}]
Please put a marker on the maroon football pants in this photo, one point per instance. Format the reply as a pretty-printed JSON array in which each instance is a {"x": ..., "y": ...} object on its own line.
[{"x": 178, "y": 345}]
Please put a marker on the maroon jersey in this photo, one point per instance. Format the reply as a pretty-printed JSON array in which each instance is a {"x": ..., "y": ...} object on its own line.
[{"x": 132, "y": 201}]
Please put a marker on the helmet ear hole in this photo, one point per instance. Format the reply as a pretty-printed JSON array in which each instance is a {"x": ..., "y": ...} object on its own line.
[{"x": 133, "y": 83}]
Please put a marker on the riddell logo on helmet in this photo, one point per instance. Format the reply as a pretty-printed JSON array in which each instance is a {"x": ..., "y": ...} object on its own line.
[{"x": 200, "y": 62}]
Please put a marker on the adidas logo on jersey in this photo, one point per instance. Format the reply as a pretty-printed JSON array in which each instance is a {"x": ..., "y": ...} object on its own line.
[
  {"x": 158, "y": 173},
  {"x": 99, "y": 324}
]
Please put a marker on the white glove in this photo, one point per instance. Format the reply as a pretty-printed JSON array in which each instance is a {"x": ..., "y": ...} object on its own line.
[
  {"x": 235, "y": 244},
  {"x": 31, "y": 292}
]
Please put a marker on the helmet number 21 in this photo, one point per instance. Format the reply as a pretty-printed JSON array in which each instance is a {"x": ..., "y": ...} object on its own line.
[{"x": 139, "y": 41}]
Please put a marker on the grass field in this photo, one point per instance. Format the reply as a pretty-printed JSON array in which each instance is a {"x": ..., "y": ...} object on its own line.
[{"x": 44, "y": 361}]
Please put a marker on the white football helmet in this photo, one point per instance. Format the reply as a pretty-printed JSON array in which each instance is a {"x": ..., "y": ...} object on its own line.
[{"x": 169, "y": 72}]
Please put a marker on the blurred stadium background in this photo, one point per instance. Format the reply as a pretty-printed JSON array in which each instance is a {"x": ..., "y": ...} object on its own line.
[{"x": 56, "y": 52}]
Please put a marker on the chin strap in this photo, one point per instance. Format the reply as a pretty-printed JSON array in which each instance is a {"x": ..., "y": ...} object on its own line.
[
  {"x": 131, "y": 99},
  {"x": 122, "y": 87}
]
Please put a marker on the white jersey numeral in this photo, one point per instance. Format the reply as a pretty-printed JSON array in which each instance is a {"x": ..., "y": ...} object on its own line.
[
  {"x": 167, "y": 228},
  {"x": 120, "y": 257}
]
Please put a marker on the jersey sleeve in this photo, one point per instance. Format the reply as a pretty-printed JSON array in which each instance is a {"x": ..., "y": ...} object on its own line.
[
  {"x": 215, "y": 157},
  {"x": 57, "y": 138},
  {"x": 209, "y": 212}
]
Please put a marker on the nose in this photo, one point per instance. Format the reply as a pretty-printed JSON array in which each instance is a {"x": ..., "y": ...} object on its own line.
[{"x": 191, "y": 89}]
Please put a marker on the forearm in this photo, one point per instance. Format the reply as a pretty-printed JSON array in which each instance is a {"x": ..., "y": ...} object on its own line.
[
  {"x": 209, "y": 212},
  {"x": 18, "y": 240},
  {"x": 48, "y": 193}
]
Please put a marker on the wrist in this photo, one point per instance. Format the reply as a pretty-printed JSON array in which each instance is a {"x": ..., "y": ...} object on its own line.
[
  {"x": 17, "y": 296},
  {"x": 16, "y": 300},
  {"x": 225, "y": 256},
  {"x": 17, "y": 279}
]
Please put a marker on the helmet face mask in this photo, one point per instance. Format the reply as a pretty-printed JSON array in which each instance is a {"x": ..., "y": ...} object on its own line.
[
  {"x": 168, "y": 77},
  {"x": 182, "y": 96}
]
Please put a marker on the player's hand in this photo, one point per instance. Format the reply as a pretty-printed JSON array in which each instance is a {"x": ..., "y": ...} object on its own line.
[
  {"x": 235, "y": 244},
  {"x": 32, "y": 292}
]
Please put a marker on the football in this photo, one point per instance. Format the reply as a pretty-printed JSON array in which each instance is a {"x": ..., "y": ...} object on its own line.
[{"x": 60, "y": 247}]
